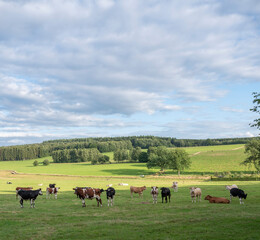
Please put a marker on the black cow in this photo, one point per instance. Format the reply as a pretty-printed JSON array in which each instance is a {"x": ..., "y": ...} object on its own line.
[
  {"x": 235, "y": 192},
  {"x": 165, "y": 192},
  {"x": 29, "y": 195},
  {"x": 110, "y": 195},
  {"x": 52, "y": 185}
]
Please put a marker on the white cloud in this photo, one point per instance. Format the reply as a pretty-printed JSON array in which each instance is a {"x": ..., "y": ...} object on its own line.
[{"x": 62, "y": 63}]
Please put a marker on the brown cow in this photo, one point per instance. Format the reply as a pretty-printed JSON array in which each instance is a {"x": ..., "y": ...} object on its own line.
[
  {"x": 138, "y": 190},
  {"x": 53, "y": 191},
  {"x": 22, "y": 188},
  {"x": 89, "y": 193},
  {"x": 216, "y": 199}
]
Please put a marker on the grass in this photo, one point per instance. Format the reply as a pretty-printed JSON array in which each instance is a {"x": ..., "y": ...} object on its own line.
[{"x": 135, "y": 218}]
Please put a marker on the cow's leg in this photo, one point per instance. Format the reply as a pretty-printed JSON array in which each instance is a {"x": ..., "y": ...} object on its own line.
[
  {"x": 31, "y": 203},
  {"x": 108, "y": 200},
  {"x": 162, "y": 199},
  {"x": 21, "y": 202},
  {"x": 83, "y": 202},
  {"x": 230, "y": 197},
  {"x": 156, "y": 199},
  {"x": 56, "y": 196},
  {"x": 166, "y": 199}
]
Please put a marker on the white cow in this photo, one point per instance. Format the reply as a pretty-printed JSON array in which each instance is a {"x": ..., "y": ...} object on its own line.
[
  {"x": 195, "y": 193},
  {"x": 175, "y": 186},
  {"x": 154, "y": 193}
]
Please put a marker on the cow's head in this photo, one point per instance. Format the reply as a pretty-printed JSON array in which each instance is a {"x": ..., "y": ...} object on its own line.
[
  {"x": 207, "y": 197},
  {"x": 40, "y": 191}
]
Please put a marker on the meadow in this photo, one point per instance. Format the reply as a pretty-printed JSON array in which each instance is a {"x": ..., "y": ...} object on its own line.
[{"x": 136, "y": 218}]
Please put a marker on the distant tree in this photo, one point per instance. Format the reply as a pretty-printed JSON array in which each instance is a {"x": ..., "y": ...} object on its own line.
[
  {"x": 158, "y": 157},
  {"x": 256, "y": 109},
  {"x": 143, "y": 157},
  {"x": 179, "y": 160},
  {"x": 46, "y": 162},
  {"x": 135, "y": 153},
  {"x": 253, "y": 150},
  {"x": 103, "y": 159},
  {"x": 35, "y": 163},
  {"x": 121, "y": 155}
]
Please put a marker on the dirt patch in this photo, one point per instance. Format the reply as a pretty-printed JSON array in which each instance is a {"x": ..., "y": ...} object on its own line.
[
  {"x": 194, "y": 154},
  {"x": 237, "y": 148}
]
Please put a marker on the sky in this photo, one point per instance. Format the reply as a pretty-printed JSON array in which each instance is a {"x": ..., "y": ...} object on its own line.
[{"x": 106, "y": 68}]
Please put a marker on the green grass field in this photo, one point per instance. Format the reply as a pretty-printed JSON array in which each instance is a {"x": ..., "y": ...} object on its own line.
[{"x": 135, "y": 218}]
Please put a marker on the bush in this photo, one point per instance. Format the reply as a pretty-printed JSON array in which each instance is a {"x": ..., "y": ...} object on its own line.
[
  {"x": 46, "y": 162},
  {"x": 35, "y": 163},
  {"x": 103, "y": 159}
]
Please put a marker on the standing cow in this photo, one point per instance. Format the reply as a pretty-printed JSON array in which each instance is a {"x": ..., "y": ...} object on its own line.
[
  {"x": 50, "y": 191},
  {"x": 235, "y": 192},
  {"x": 165, "y": 192},
  {"x": 154, "y": 193},
  {"x": 29, "y": 195},
  {"x": 175, "y": 186},
  {"x": 22, "y": 188},
  {"x": 89, "y": 193},
  {"x": 138, "y": 190},
  {"x": 195, "y": 193},
  {"x": 110, "y": 195}
]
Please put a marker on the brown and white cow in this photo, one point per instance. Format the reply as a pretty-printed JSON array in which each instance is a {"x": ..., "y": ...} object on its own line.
[
  {"x": 89, "y": 193},
  {"x": 138, "y": 190},
  {"x": 154, "y": 193},
  {"x": 22, "y": 188},
  {"x": 50, "y": 191}
]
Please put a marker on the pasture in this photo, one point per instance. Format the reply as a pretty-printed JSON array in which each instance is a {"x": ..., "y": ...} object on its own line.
[{"x": 135, "y": 218}]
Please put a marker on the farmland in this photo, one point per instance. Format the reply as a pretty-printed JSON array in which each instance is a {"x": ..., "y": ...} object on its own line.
[{"x": 135, "y": 218}]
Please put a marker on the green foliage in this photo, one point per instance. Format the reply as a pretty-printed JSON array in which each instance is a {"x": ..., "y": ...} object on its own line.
[
  {"x": 102, "y": 159},
  {"x": 158, "y": 157},
  {"x": 143, "y": 157},
  {"x": 121, "y": 155},
  {"x": 253, "y": 151},
  {"x": 256, "y": 109},
  {"x": 35, "y": 163},
  {"x": 135, "y": 154},
  {"x": 178, "y": 160},
  {"x": 46, "y": 162}
]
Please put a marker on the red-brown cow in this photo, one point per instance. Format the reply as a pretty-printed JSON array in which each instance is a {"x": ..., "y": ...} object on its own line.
[
  {"x": 89, "y": 193},
  {"x": 22, "y": 188},
  {"x": 53, "y": 191},
  {"x": 138, "y": 190},
  {"x": 216, "y": 199}
]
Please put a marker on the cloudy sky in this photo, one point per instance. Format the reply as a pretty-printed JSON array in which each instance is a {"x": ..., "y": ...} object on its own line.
[{"x": 183, "y": 69}]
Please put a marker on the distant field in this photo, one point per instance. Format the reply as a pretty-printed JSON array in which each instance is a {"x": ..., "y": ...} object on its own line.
[{"x": 206, "y": 160}]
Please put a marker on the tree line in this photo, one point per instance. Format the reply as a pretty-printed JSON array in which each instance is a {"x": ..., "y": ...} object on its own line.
[{"x": 107, "y": 144}]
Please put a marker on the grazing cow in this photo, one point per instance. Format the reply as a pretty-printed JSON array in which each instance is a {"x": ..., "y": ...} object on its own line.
[
  {"x": 53, "y": 191},
  {"x": 175, "y": 186},
  {"x": 78, "y": 192},
  {"x": 89, "y": 193},
  {"x": 216, "y": 199},
  {"x": 22, "y": 188},
  {"x": 110, "y": 195},
  {"x": 154, "y": 193},
  {"x": 235, "y": 192},
  {"x": 229, "y": 187},
  {"x": 138, "y": 190},
  {"x": 29, "y": 195},
  {"x": 195, "y": 193},
  {"x": 8, "y": 182},
  {"x": 52, "y": 185},
  {"x": 165, "y": 192}
]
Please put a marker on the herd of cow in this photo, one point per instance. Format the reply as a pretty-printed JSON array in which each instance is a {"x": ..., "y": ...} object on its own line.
[{"x": 26, "y": 193}]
